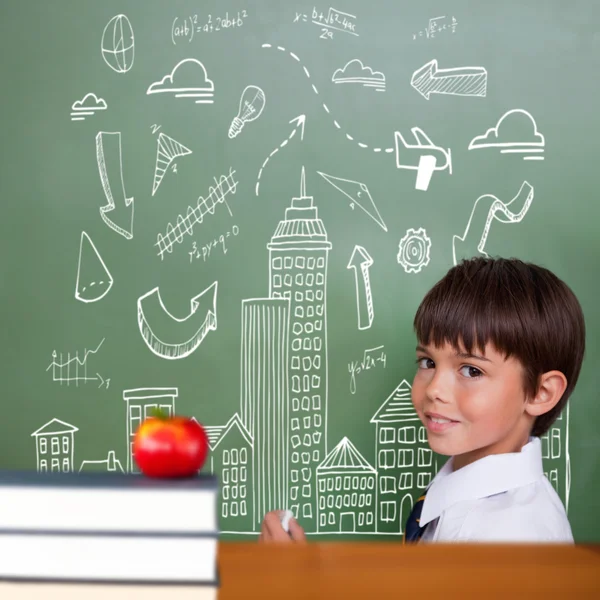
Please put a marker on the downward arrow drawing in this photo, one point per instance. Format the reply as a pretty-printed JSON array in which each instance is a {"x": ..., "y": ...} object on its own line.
[
  {"x": 118, "y": 213},
  {"x": 173, "y": 338},
  {"x": 364, "y": 299},
  {"x": 486, "y": 209},
  {"x": 460, "y": 81},
  {"x": 300, "y": 120},
  {"x": 424, "y": 157}
]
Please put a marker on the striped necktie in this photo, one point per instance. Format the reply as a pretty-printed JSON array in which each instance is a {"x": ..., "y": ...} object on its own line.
[{"x": 412, "y": 530}]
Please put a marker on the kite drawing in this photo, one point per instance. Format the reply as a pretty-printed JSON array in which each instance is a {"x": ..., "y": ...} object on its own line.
[
  {"x": 358, "y": 193},
  {"x": 167, "y": 151},
  {"x": 188, "y": 79}
]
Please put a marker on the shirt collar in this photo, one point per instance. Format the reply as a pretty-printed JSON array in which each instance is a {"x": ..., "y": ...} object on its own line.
[{"x": 487, "y": 476}]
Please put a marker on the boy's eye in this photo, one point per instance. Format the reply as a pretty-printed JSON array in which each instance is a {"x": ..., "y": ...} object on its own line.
[
  {"x": 425, "y": 363},
  {"x": 471, "y": 372}
]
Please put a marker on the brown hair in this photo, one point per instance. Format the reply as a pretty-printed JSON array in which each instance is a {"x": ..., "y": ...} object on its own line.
[{"x": 523, "y": 309}]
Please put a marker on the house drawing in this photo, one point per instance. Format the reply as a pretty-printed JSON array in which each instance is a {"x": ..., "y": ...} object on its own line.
[
  {"x": 140, "y": 403},
  {"x": 404, "y": 461},
  {"x": 231, "y": 455},
  {"x": 346, "y": 491},
  {"x": 54, "y": 446}
]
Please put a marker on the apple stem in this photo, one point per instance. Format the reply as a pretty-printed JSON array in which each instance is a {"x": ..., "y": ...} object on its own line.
[{"x": 159, "y": 413}]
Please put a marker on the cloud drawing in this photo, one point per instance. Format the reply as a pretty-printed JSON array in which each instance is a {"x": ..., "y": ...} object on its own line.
[
  {"x": 189, "y": 75},
  {"x": 516, "y": 128},
  {"x": 355, "y": 72},
  {"x": 89, "y": 102}
]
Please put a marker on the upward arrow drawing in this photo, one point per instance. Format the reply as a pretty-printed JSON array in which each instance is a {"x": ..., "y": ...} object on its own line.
[
  {"x": 118, "y": 213},
  {"x": 460, "y": 81},
  {"x": 364, "y": 299},
  {"x": 486, "y": 209}
]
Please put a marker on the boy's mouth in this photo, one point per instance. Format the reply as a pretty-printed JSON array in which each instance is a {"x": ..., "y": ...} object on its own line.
[{"x": 438, "y": 423}]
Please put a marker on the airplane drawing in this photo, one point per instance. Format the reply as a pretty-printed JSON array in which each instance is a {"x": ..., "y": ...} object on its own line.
[{"x": 427, "y": 157}]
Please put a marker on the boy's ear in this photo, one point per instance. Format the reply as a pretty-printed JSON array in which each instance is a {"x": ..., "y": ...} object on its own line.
[{"x": 552, "y": 386}]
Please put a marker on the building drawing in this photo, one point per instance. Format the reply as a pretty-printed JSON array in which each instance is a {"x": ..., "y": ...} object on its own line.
[
  {"x": 111, "y": 464},
  {"x": 265, "y": 401},
  {"x": 346, "y": 491},
  {"x": 556, "y": 458},
  {"x": 298, "y": 257},
  {"x": 140, "y": 403},
  {"x": 404, "y": 461},
  {"x": 231, "y": 455},
  {"x": 54, "y": 446}
]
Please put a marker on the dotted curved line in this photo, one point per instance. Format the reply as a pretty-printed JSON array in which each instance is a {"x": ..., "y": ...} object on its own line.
[
  {"x": 92, "y": 284},
  {"x": 272, "y": 153},
  {"x": 316, "y": 91}
]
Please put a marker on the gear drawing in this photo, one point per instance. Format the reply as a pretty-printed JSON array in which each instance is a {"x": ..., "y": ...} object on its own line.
[{"x": 413, "y": 250}]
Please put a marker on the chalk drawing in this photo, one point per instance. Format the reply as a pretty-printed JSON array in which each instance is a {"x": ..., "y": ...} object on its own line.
[
  {"x": 355, "y": 72},
  {"x": 359, "y": 195},
  {"x": 171, "y": 337},
  {"x": 118, "y": 213},
  {"x": 361, "y": 262},
  {"x": 86, "y": 107},
  {"x": 55, "y": 446},
  {"x": 118, "y": 45},
  {"x": 141, "y": 402},
  {"x": 252, "y": 104},
  {"x": 424, "y": 157},
  {"x": 167, "y": 151},
  {"x": 94, "y": 280},
  {"x": 459, "y": 81},
  {"x": 413, "y": 250},
  {"x": 195, "y": 214},
  {"x": 299, "y": 121},
  {"x": 528, "y": 141},
  {"x": 486, "y": 210},
  {"x": 325, "y": 107},
  {"x": 188, "y": 79},
  {"x": 72, "y": 369},
  {"x": 110, "y": 464}
]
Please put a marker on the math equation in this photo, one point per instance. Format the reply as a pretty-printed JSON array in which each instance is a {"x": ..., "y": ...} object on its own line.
[
  {"x": 204, "y": 251},
  {"x": 185, "y": 28},
  {"x": 437, "y": 26},
  {"x": 330, "y": 22},
  {"x": 372, "y": 357}
]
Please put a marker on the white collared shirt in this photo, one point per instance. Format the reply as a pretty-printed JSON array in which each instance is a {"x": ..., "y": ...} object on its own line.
[{"x": 498, "y": 498}]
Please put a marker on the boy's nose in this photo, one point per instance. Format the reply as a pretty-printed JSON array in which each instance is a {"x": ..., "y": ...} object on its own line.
[{"x": 439, "y": 388}]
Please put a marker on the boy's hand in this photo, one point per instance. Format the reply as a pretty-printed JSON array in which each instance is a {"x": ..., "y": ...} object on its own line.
[{"x": 272, "y": 531}]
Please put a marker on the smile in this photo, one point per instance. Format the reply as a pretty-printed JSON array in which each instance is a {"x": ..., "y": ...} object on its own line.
[{"x": 437, "y": 424}]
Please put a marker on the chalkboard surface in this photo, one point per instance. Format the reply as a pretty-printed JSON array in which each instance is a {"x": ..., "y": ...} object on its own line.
[{"x": 232, "y": 210}]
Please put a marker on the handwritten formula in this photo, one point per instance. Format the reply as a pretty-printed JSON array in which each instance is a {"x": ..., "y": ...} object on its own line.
[
  {"x": 184, "y": 28},
  {"x": 371, "y": 357},
  {"x": 204, "y": 251},
  {"x": 437, "y": 26},
  {"x": 333, "y": 20}
]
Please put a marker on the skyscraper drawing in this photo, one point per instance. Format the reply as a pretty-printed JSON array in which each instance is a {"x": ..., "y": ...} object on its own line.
[
  {"x": 265, "y": 400},
  {"x": 298, "y": 256}
]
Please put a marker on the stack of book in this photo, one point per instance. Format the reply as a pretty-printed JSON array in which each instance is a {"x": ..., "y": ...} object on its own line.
[{"x": 107, "y": 528}]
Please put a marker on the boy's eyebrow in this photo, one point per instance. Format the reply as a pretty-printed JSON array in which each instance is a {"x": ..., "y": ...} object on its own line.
[{"x": 459, "y": 354}]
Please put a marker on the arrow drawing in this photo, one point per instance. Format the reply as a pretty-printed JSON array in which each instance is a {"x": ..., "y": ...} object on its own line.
[
  {"x": 485, "y": 210},
  {"x": 364, "y": 299},
  {"x": 430, "y": 157},
  {"x": 358, "y": 193},
  {"x": 119, "y": 208},
  {"x": 300, "y": 120},
  {"x": 460, "y": 81},
  {"x": 173, "y": 338},
  {"x": 167, "y": 151}
]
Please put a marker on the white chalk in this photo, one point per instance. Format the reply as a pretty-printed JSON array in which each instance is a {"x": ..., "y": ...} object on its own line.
[{"x": 285, "y": 517}]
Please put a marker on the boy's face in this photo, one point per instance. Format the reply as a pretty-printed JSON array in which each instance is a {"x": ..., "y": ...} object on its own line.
[{"x": 472, "y": 405}]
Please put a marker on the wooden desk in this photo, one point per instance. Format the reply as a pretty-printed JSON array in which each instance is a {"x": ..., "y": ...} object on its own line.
[{"x": 335, "y": 570}]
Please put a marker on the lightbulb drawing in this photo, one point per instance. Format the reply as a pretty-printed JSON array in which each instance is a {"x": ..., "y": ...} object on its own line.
[{"x": 252, "y": 104}]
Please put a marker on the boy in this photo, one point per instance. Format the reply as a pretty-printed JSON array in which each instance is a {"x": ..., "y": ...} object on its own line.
[{"x": 500, "y": 347}]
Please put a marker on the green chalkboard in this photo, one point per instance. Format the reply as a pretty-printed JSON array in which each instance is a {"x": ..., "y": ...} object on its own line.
[{"x": 232, "y": 210}]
